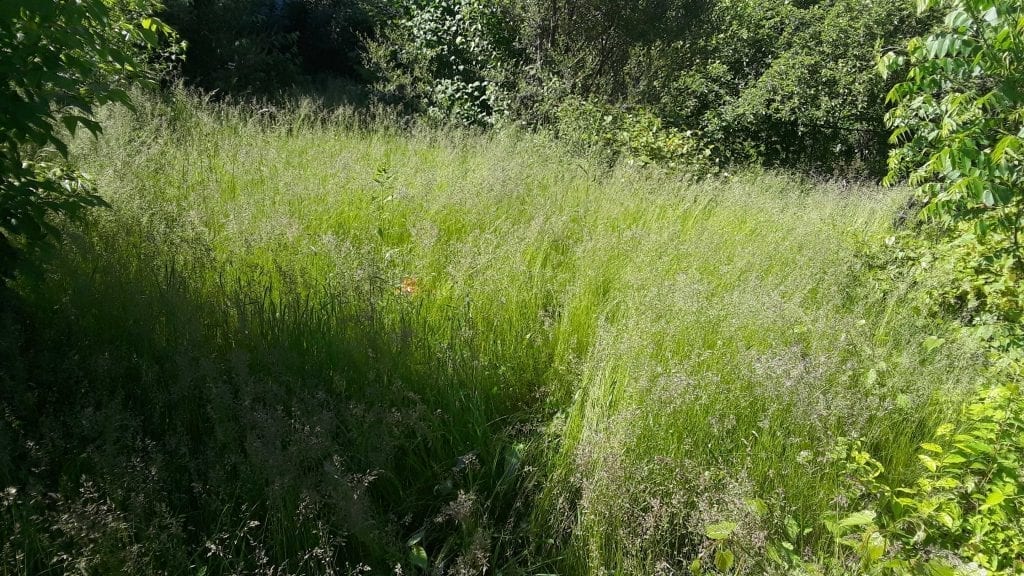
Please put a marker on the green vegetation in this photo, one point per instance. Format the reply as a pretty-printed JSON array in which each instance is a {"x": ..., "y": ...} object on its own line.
[
  {"x": 59, "y": 61},
  {"x": 958, "y": 120},
  {"x": 529, "y": 302},
  {"x": 781, "y": 83},
  {"x": 778, "y": 83},
  {"x": 295, "y": 342}
]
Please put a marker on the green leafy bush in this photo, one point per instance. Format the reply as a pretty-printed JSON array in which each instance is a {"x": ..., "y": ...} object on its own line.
[
  {"x": 60, "y": 61},
  {"x": 449, "y": 59},
  {"x": 611, "y": 50},
  {"x": 969, "y": 501},
  {"x": 787, "y": 83},
  {"x": 958, "y": 123},
  {"x": 961, "y": 516},
  {"x": 779, "y": 82},
  {"x": 330, "y": 33},
  {"x": 636, "y": 135}
]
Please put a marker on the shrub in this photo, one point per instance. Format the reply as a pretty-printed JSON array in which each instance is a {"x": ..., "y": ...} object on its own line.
[
  {"x": 788, "y": 83},
  {"x": 957, "y": 120},
  {"x": 636, "y": 135},
  {"x": 236, "y": 46},
  {"x": 450, "y": 59},
  {"x": 61, "y": 60}
]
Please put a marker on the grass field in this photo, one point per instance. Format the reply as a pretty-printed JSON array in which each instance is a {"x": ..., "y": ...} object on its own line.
[{"x": 300, "y": 343}]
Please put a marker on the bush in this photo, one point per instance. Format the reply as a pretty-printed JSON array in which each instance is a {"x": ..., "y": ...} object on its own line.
[
  {"x": 236, "y": 46},
  {"x": 788, "y": 83},
  {"x": 449, "y": 59},
  {"x": 61, "y": 60},
  {"x": 779, "y": 82},
  {"x": 636, "y": 135},
  {"x": 958, "y": 124}
]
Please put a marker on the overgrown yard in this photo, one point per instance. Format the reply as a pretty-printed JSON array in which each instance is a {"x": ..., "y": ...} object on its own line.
[{"x": 298, "y": 344}]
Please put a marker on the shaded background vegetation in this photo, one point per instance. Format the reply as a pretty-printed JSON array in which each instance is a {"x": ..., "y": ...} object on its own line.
[{"x": 780, "y": 83}]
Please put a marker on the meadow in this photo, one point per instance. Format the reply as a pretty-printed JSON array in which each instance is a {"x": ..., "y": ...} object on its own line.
[{"x": 303, "y": 342}]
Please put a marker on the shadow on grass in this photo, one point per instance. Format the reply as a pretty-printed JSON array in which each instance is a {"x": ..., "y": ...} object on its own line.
[{"x": 161, "y": 414}]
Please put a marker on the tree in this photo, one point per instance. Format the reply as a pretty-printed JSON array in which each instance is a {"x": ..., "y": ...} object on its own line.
[
  {"x": 60, "y": 60},
  {"x": 958, "y": 119}
]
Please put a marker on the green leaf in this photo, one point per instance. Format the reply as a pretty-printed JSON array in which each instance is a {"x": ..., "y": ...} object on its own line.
[
  {"x": 720, "y": 530},
  {"x": 70, "y": 122},
  {"x": 1008, "y": 142},
  {"x": 418, "y": 558},
  {"x": 792, "y": 528},
  {"x": 858, "y": 519},
  {"x": 933, "y": 342},
  {"x": 936, "y": 567},
  {"x": 930, "y": 464},
  {"x": 958, "y": 18},
  {"x": 724, "y": 560},
  {"x": 995, "y": 498},
  {"x": 757, "y": 506},
  {"x": 874, "y": 547}
]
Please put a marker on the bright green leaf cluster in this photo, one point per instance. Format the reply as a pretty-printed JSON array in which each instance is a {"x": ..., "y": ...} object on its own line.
[
  {"x": 969, "y": 501},
  {"x": 958, "y": 119}
]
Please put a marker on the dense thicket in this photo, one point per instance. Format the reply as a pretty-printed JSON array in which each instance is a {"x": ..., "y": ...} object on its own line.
[
  {"x": 259, "y": 46},
  {"x": 777, "y": 82}
]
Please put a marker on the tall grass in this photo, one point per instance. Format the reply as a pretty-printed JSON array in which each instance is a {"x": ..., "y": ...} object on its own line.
[{"x": 302, "y": 342}]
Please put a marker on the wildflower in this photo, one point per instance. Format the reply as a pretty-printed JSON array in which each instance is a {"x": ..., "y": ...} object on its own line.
[{"x": 409, "y": 286}]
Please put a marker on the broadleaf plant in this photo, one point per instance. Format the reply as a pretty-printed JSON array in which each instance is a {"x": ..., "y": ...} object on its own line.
[
  {"x": 957, "y": 119},
  {"x": 61, "y": 59}
]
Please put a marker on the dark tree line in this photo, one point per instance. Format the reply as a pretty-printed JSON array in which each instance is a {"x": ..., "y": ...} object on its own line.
[{"x": 778, "y": 82}]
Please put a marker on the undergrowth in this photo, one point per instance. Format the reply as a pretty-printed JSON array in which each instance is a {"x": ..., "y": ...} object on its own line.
[{"x": 302, "y": 343}]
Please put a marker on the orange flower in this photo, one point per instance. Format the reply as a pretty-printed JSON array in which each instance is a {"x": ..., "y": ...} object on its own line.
[{"x": 409, "y": 286}]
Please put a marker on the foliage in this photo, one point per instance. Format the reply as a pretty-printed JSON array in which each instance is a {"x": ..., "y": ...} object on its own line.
[
  {"x": 330, "y": 34},
  {"x": 236, "y": 46},
  {"x": 602, "y": 49},
  {"x": 637, "y": 135},
  {"x": 961, "y": 516},
  {"x": 261, "y": 47},
  {"x": 778, "y": 82},
  {"x": 787, "y": 83},
  {"x": 60, "y": 60},
  {"x": 303, "y": 342},
  {"x": 968, "y": 501},
  {"x": 449, "y": 59},
  {"x": 957, "y": 121}
]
